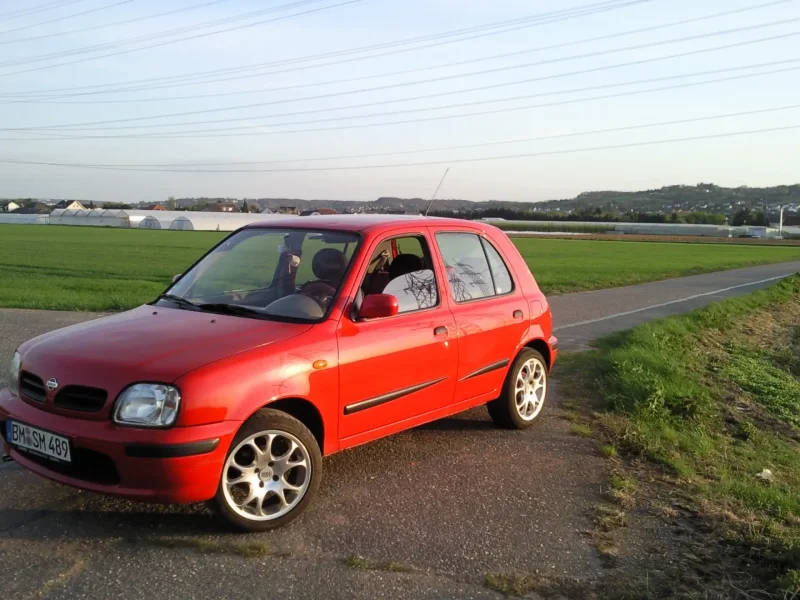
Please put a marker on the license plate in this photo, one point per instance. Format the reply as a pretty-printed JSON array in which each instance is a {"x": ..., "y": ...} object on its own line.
[{"x": 38, "y": 441}]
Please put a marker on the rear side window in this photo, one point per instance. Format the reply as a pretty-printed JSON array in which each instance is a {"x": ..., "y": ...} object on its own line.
[
  {"x": 475, "y": 269},
  {"x": 467, "y": 268},
  {"x": 503, "y": 283}
]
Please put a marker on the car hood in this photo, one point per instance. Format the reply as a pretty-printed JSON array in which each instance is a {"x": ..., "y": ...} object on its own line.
[{"x": 146, "y": 344}]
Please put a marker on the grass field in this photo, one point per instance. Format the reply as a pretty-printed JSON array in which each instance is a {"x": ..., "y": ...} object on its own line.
[
  {"x": 85, "y": 268},
  {"x": 710, "y": 400}
]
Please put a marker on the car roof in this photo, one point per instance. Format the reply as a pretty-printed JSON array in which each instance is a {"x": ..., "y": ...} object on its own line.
[{"x": 347, "y": 222}]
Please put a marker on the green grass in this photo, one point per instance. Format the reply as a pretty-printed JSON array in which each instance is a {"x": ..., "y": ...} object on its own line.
[
  {"x": 610, "y": 451},
  {"x": 87, "y": 268},
  {"x": 574, "y": 265},
  {"x": 581, "y": 430},
  {"x": 714, "y": 397}
]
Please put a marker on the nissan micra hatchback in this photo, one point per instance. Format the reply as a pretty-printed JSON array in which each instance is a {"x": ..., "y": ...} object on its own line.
[{"x": 288, "y": 341}]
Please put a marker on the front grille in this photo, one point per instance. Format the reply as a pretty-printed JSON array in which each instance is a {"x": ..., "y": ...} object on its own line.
[
  {"x": 87, "y": 465},
  {"x": 31, "y": 386},
  {"x": 81, "y": 398}
]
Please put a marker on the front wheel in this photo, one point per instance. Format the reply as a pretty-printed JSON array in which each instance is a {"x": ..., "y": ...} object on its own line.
[
  {"x": 524, "y": 392},
  {"x": 272, "y": 472}
]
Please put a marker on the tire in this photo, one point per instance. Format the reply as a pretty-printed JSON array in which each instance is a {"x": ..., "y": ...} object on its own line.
[
  {"x": 506, "y": 411},
  {"x": 281, "y": 482}
]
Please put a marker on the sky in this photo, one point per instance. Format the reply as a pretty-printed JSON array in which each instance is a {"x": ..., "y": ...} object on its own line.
[{"x": 546, "y": 105}]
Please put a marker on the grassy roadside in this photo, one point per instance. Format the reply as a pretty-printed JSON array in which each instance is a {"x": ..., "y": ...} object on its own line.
[
  {"x": 88, "y": 268},
  {"x": 699, "y": 416}
]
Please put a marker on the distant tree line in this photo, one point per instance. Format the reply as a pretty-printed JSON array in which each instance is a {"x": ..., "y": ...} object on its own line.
[{"x": 590, "y": 214}]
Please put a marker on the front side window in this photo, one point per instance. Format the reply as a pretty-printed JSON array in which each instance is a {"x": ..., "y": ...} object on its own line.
[
  {"x": 475, "y": 269},
  {"x": 402, "y": 268},
  {"x": 268, "y": 273}
]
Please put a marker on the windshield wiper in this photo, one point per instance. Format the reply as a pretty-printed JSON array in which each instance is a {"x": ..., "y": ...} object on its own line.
[
  {"x": 180, "y": 301},
  {"x": 230, "y": 309}
]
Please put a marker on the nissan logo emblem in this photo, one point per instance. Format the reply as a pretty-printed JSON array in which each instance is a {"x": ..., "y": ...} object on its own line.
[{"x": 52, "y": 384}]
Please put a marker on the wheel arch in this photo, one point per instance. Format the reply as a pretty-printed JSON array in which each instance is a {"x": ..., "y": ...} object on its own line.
[
  {"x": 304, "y": 411},
  {"x": 542, "y": 348}
]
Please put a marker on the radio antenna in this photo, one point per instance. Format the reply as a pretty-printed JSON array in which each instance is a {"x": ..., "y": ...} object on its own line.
[{"x": 437, "y": 191}]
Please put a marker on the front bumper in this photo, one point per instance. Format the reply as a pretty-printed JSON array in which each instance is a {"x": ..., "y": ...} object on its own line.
[{"x": 177, "y": 465}]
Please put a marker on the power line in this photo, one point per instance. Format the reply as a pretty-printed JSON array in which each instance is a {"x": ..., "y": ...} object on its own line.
[
  {"x": 104, "y": 25},
  {"x": 426, "y": 163},
  {"x": 482, "y": 31},
  {"x": 24, "y": 12},
  {"x": 434, "y": 67},
  {"x": 71, "y": 126},
  {"x": 180, "y": 135},
  {"x": 64, "y": 18},
  {"x": 142, "y": 38},
  {"x": 457, "y": 147}
]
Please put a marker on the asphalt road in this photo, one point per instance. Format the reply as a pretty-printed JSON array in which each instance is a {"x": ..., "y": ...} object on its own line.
[{"x": 453, "y": 500}]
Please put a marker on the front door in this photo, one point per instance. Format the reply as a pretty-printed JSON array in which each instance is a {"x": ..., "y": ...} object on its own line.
[
  {"x": 396, "y": 368},
  {"x": 491, "y": 313}
]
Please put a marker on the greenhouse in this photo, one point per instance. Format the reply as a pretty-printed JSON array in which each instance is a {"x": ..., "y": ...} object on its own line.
[
  {"x": 17, "y": 219},
  {"x": 96, "y": 217},
  {"x": 155, "y": 223},
  {"x": 209, "y": 221}
]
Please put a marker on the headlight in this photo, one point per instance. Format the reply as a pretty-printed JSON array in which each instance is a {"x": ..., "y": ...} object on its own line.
[
  {"x": 13, "y": 374},
  {"x": 148, "y": 405}
]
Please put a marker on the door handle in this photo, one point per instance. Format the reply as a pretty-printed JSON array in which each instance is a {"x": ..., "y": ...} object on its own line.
[
  {"x": 441, "y": 330},
  {"x": 517, "y": 314}
]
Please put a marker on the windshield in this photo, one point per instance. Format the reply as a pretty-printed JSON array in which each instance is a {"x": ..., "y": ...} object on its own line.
[{"x": 290, "y": 273}]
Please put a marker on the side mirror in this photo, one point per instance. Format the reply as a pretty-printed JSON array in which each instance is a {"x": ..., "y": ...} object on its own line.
[
  {"x": 378, "y": 306},
  {"x": 176, "y": 277}
]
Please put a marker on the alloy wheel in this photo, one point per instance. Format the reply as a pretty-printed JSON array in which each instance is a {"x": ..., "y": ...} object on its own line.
[
  {"x": 266, "y": 475},
  {"x": 530, "y": 389}
]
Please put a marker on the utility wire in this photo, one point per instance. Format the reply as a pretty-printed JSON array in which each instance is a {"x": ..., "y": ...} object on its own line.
[
  {"x": 161, "y": 34},
  {"x": 24, "y": 12},
  {"x": 482, "y": 31},
  {"x": 72, "y": 126},
  {"x": 427, "y": 68},
  {"x": 426, "y": 163},
  {"x": 104, "y": 25},
  {"x": 448, "y": 148},
  {"x": 64, "y": 18},
  {"x": 179, "y": 135}
]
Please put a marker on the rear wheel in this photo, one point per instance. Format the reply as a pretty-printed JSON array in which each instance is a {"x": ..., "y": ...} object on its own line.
[
  {"x": 271, "y": 474},
  {"x": 524, "y": 392}
]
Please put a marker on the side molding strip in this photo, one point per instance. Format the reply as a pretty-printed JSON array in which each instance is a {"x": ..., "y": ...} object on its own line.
[
  {"x": 378, "y": 400},
  {"x": 487, "y": 369}
]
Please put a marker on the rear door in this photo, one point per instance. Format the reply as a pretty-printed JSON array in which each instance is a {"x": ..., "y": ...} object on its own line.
[
  {"x": 397, "y": 368},
  {"x": 490, "y": 310}
]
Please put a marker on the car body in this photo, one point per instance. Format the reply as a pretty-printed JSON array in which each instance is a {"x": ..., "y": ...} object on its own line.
[{"x": 383, "y": 353}]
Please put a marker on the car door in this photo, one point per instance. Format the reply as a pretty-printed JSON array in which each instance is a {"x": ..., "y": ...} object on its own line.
[
  {"x": 490, "y": 310},
  {"x": 396, "y": 368}
]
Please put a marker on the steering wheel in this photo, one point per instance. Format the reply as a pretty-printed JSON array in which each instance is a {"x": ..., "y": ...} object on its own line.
[{"x": 320, "y": 291}]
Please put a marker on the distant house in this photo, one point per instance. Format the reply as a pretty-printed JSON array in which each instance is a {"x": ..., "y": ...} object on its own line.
[
  {"x": 318, "y": 211},
  {"x": 154, "y": 207},
  {"x": 287, "y": 210},
  {"x": 38, "y": 208},
  {"x": 222, "y": 207},
  {"x": 9, "y": 206},
  {"x": 69, "y": 205}
]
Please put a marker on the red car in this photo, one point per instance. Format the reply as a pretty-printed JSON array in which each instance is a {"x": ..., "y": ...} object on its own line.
[{"x": 286, "y": 342}]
